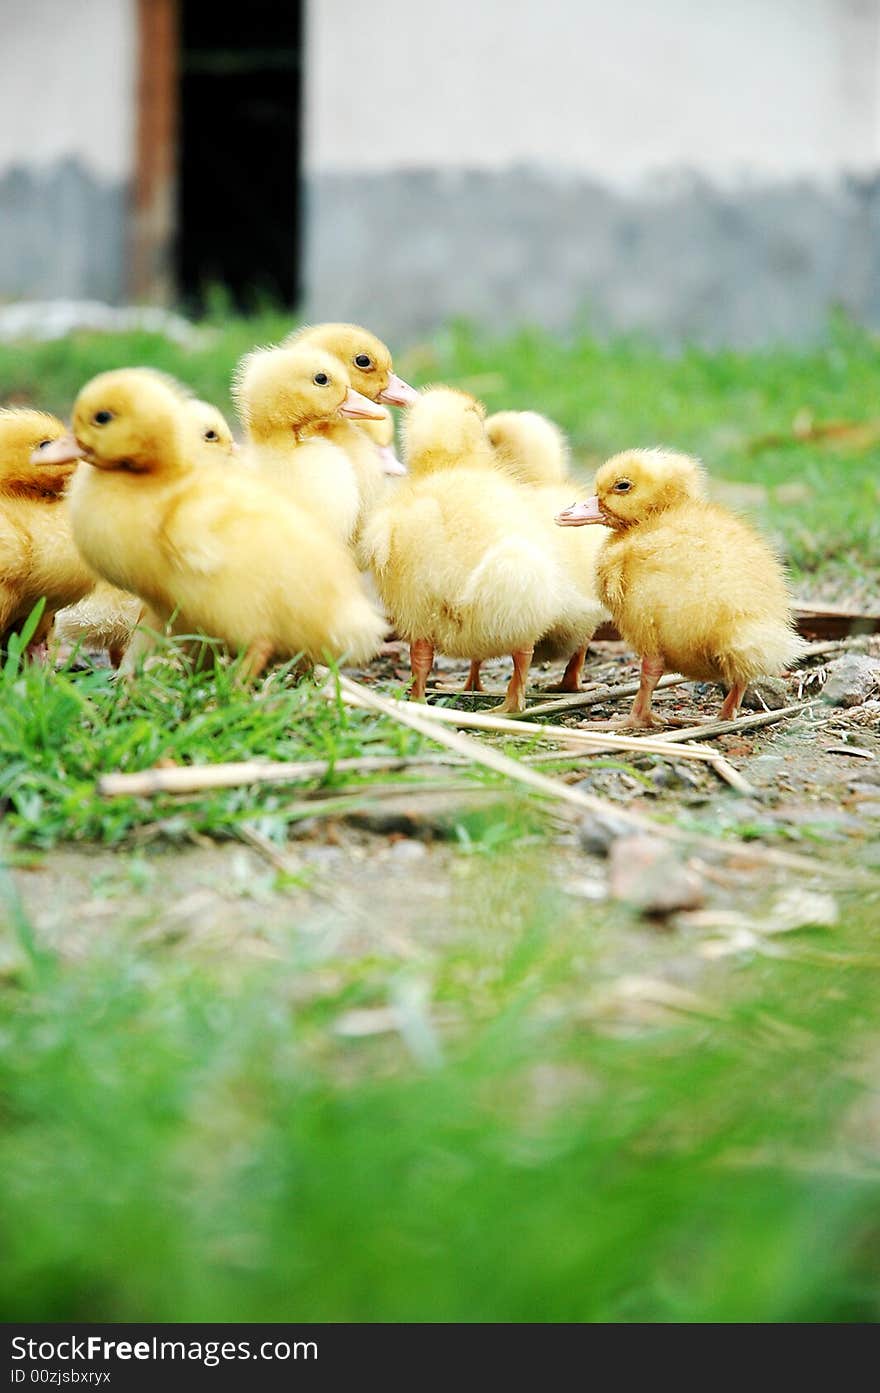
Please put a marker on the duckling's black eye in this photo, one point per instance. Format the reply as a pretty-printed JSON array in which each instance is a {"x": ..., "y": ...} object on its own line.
[
  {"x": 211, "y": 435},
  {"x": 363, "y": 360},
  {"x": 623, "y": 486},
  {"x": 101, "y": 418},
  {"x": 321, "y": 379}
]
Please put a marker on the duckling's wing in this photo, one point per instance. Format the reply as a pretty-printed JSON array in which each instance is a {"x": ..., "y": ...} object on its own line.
[{"x": 194, "y": 535}]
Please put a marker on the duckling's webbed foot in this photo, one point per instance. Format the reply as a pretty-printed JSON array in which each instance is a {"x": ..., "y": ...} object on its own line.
[
  {"x": 473, "y": 683},
  {"x": 421, "y": 660},
  {"x": 516, "y": 691},
  {"x": 571, "y": 678}
]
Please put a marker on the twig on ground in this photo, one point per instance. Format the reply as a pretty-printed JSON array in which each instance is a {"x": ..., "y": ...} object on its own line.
[
  {"x": 595, "y": 696},
  {"x": 711, "y": 729},
  {"x": 591, "y": 743},
  {"x": 198, "y": 778}
]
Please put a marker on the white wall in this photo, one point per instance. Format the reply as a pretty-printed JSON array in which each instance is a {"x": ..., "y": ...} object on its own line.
[
  {"x": 767, "y": 88},
  {"x": 68, "y": 84}
]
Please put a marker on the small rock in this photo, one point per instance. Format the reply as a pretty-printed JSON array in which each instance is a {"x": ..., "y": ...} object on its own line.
[
  {"x": 766, "y": 694},
  {"x": 646, "y": 873},
  {"x": 851, "y": 680},
  {"x": 597, "y": 831},
  {"x": 663, "y": 776},
  {"x": 407, "y": 850}
]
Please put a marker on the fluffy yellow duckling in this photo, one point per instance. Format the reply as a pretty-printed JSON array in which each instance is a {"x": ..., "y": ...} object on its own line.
[
  {"x": 38, "y": 556},
  {"x": 529, "y": 447},
  {"x": 461, "y": 561},
  {"x": 292, "y": 402},
  {"x": 534, "y": 452},
  {"x": 214, "y": 442},
  {"x": 367, "y": 360},
  {"x": 106, "y": 618},
  {"x": 218, "y": 550},
  {"x": 690, "y": 586},
  {"x": 368, "y": 363}
]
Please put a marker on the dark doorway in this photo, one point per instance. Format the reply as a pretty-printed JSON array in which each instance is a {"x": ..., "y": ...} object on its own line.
[{"x": 239, "y": 158}]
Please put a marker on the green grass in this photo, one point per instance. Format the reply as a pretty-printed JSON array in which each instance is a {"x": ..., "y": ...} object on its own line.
[
  {"x": 607, "y": 397},
  {"x": 189, "y": 1135},
  {"x": 185, "y": 1142}
]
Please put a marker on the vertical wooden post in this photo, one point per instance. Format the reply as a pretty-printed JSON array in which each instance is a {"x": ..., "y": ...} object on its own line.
[{"x": 153, "y": 213}]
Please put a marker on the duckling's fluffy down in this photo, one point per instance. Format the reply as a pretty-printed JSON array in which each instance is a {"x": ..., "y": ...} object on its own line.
[
  {"x": 532, "y": 450},
  {"x": 460, "y": 559},
  {"x": 105, "y": 619},
  {"x": 700, "y": 587},
  {"x": 528, "y": 447}
]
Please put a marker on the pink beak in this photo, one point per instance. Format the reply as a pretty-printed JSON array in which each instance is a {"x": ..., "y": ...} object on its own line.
[
  {"x": 360, "y": 408},
  {"x": 391, "y": 465},
  {"x": 398, "y": 392},
  {"x": 64, "y": 450},
  {"x": 579, "y": 514}
]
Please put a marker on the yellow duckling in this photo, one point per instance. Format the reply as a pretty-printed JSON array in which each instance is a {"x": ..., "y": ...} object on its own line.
[
  {"x": 534, "y": 452},
  {"x": 690, "y": 586},
  {"x": 218, "y": 550},
  {"x": 368, "y": 363},
  {"x": 292, "y": 401},
  {"x": 105, "y": 619},
  {"x": 38, "y": 556},
  {"x": 529, "y": 447},
  {"x": 214, "y": 442},
  {"x": 462, "y": 562}
]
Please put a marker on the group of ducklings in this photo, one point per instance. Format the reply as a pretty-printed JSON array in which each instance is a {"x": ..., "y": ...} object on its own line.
[{"x": 311, "y": 537}]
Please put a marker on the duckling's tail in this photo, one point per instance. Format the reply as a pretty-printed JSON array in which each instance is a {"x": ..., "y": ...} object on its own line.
[
  {"x": 764, "y": 647},
  {"x": 522, "y": 580},
  {"x": 358, "y": 630}
]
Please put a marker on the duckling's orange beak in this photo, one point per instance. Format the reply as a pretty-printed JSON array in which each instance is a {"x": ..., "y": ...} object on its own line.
[
  {"x": 360, "y": 408},
  {"x": 579, "y": 514},
  {"x": 390, "y": 463},
  {"x": 398, "y": 392},
  {"x": 64, "y": 450}
]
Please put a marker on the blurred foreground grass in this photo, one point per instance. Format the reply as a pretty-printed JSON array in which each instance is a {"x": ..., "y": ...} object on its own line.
[
  {"x": 736, "y": 410},
  {"x": 192, "y": 1142}
]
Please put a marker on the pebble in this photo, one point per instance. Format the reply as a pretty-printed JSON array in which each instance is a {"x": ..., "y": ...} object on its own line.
[
  {"x": 851, "y": 680},
  {"x": 598, "y": 831},
  {"x": 407, "y": 850},
  {"x": 648, "y": 874},
  {"x": 766, "y": 694}
]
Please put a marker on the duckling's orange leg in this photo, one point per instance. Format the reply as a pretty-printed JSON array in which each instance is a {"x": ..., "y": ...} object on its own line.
[
  {"x": 641, "y": 717},
  {"x": 421, "y": 660},
  {"x": 515, "y": 699},
  {"x": 473, "y": 683},
  {"x": 730, "y": 709},
  {"x": 255, "y": 659},
  {"x": 571, "y": 678}
]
